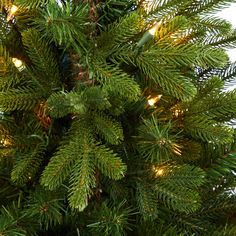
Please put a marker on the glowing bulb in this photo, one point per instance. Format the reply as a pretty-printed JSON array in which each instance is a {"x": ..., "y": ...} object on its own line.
[
  {"x": 5, "y": 142},
  {"x": 148, "y": 35},
  {"x": 153, "y": 100},
  {"x": 153, "y": 30},
  {"x": 18, "y": 64},
  {"x": 12, "y": 11},
  {"x": 158, "y": 171}
]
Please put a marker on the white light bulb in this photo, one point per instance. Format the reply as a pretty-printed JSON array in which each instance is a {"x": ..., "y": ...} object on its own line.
[
  {"x": 153, "y": 30},
  {"x": 12, "y": 11},
  {"x": 18, "y": 64},
  {"x": 153, "y": 100},
  {"x": 160, "y": 172}
]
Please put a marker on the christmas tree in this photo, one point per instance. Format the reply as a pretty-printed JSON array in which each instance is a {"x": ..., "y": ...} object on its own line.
[{"x": 115, "y": 119}]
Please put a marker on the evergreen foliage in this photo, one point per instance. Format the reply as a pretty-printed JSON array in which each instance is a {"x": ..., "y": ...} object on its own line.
[{"x": 107, "y": 128}]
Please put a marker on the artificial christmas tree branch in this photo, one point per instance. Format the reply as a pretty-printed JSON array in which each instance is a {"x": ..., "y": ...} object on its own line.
[{"x": 114, "y": 118}]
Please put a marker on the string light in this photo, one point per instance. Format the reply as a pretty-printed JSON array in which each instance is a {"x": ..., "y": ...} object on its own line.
[
  {"x": 153, "y": 100},
  {"x": 12, "y": 11},
  {"x": 158, "y": 171},
  {"x": 149, "y": 34},
  {"x": 154, "y": 29},
  {"x": 5, "y": 142},
  {"x": 18, "y": 64}
]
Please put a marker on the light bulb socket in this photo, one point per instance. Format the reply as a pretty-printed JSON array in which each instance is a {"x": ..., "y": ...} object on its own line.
[{"x": 146, "y": 37}]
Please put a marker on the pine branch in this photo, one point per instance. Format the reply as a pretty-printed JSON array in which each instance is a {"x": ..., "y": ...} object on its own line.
[
  {"x": 222, "y": 166},
  {"x": 168, "y": 78},
  {"x": 204, "y": 6},
  {"x": 225, "y": 40},
  {"x": 181, "y": 199},
  {"x": 117, "y": 82},
  {"x": 108, "y": 128},
  {"x": 202, "y": 128},
  {"x": 185, "y": 176},
  {"x": 96, "y": 98},
  {"x": 118, "y": 34},
  {"x": 228, "y": 230},
  {"x": 46, "y": 207},
  {"x": 82, "y": 179},
  {"x": 31, "y": 4},
  {"x": 213, "y": 102},
  {"x": 61, "y": 104},
  {"x": 23, "y": 98},
  {"x": 214, "y": 24},
  {"x": 14, "y": 222},
  {"x": 146, "y": 201},
  {"x": 27, "y": 165},
  {"x": 44, "y": 62},
  {"x": 61, "y": 164},
  {"x": 229, "y": 72},
  {"x": 115, "y": 220},
  {"x": 71, "y": 19},
  {"x": 7, "y": 68},
  {"x": 156, "y": 143},
  {"x": 108, "y": 162}
]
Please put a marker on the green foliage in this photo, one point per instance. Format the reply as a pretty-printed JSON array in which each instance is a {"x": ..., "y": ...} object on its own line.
[
  {"x": 227, "y": 41},
  {"x": 167, "y": 78},
  {"x": 96, "y": 98},
  {"x": 109, "y": 163},
  {"x": 155, "y": 141},
  {"x": 69, "y": 103},
  {"x": 42, "y": 58},
  {"x": 63, "y": 161},
  {"x": 172, "y": 28},
  {"x": 81, "y": 143},
  {"x": 108, "y": 128},
  {"x": 112, "y": 10},
  {"x": 228, "y": 230},
  {"x": 115, "y": 220},
  {"x": 119, "y": 33},
  {"x": 31, "y": 4},
  {"x": 215, "y": 24},
  {"x": 77, "y": 102},
  {"x": 77, "y": 159},
  {"x": 212, "y": 57},
  {"x": 180, "y": 199},
  {"x": 27, "y": 165},
  {"x": 22, "y": 98},
  {"x": 5, "y": 62},
  {"x": 56, "y": 25},
  {"x": 206, "y": 6},
  {"x": 46, "y": 207},
  {"x": 82, "y": 178},
  {"x": 186, "y": 176},
  {"x": 14, "y": 222},
  {"x": 178, "y": 184},
  {"x": 146, "y": 201},
  {"x": 228, "y": 72},
  {"x": 201, "y": 127},
  {"x": 117, "y": 82},
  {"x": 223, "y": 166}
]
